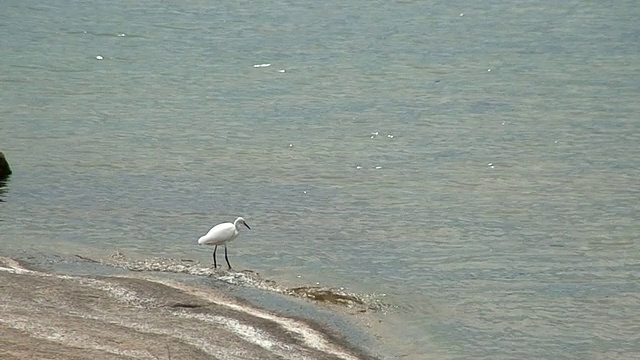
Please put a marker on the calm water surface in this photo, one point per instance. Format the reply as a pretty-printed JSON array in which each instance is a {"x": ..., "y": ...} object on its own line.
[{"x": 477, "y": 162}]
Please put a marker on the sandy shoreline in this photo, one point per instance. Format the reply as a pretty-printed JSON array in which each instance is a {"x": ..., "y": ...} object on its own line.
[{"x": 53, "y": 316}]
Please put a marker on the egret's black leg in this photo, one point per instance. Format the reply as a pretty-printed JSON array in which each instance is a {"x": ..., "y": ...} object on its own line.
[
  {"x": 225, "y": 256},
  {"x": 214, "y": 257}
]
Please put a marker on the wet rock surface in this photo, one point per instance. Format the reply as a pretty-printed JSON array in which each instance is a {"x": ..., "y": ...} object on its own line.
[
  {"x": 328, "y": 295},
  {"x": 47, "y": 315}
]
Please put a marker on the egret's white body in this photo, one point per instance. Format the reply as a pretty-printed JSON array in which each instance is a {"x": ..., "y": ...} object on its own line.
[{"x": 221, "y": 234}]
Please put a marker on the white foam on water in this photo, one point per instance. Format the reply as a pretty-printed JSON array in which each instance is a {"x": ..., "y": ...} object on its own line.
[
  {"x": 13, "y": 266},
  {"x": 14, "y": 270}
]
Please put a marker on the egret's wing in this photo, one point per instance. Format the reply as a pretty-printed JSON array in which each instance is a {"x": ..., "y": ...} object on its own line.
[{"x": 218, "y": 234}]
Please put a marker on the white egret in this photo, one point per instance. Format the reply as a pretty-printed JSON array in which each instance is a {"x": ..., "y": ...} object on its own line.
[{"x": 221, "y": 234}]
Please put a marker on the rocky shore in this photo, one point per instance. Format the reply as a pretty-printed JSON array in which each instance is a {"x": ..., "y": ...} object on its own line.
[{"x": 54, "y": 316}]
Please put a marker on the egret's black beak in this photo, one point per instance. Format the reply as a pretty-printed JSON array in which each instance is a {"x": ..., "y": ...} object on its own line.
[{"x": 245, "y": 224}]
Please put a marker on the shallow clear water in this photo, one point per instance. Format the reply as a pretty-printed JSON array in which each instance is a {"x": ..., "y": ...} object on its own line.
[{"x": 502, "y": 220}]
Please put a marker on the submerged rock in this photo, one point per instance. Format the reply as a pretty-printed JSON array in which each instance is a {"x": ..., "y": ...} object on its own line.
[
  {"x": 248, "y": 278},
  {"x": 5, "y": 170}
]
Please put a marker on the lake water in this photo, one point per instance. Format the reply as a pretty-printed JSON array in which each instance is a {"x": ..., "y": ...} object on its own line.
[{"x": 476, "y": 162}]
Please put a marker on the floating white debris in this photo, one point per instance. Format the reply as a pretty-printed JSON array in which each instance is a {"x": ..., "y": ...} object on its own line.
[
  {"x": 503, "y": 123},
  {"x": 461, "y": 14},
  {"x": 290, "y": 145},
  {"x": 99, "y": 57},
  {"x": 378, "y": 167},
  {"x": 305, "y": 191},
  {"x": 372, "y": 136},
  {"x": 375, "y": 133},
  {"x": 282, "y": 70},
  {"x": 390, "y": 136},
  {"x": 121, "y": 35},
  {"x": 488, "y": 69},
  {"x": 358, "y": 167},
  {"x": 490, "y": 164},
  {"x": 261, "y": 65}
]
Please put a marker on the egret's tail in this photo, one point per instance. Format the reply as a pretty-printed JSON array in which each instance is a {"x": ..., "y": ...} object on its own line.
[{"x": 202, "y": 240}]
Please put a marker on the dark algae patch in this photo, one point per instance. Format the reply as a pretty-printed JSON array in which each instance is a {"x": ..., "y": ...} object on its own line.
[{"x": 326, "y": 295}]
